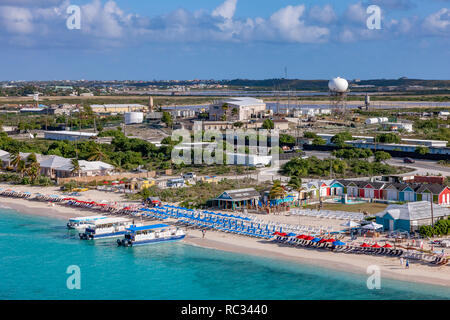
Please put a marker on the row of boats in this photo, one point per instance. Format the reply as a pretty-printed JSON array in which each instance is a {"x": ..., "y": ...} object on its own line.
[{"x": 131, "y": 234}]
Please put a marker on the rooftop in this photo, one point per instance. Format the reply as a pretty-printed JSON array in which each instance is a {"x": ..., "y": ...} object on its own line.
[
  {"x": 240, "y": 194},
  {"x": 243, "y": 101},
  {"x": 415, "y": 211},
  {"x": 151, "y": 227},
  {"x": 72, "y": 133}
]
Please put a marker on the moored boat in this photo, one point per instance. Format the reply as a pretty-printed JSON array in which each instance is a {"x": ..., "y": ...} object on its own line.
[
  {"x": 106, "y": 228},
  {"x": 136, "y": 236},
  {"x": 82, "y": 223}
]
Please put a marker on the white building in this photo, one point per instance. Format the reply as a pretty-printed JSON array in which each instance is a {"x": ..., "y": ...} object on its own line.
[
  {"x": 428, "y": 143},
  {"x": 134, "y": 117},
  {"x": 87, "y": 169},
  {"x": 396, "y": 126},
  {"x": 247, "y": 159},
  {"x": 117, "y": 108},
  {"x": 238, "y": 109},
  {"x": 376, "y": 120},
  {"x": 68, "y": 135}
]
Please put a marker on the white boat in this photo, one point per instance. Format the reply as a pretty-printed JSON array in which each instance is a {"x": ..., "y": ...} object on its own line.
[
  {"x": 136, "y": 236},
  {"x": 106, "y": 228},
  {"x": 81, "y": 223}
]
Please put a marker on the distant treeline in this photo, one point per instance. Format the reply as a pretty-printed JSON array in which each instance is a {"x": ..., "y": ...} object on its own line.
[{"x": 308, "y": 85}]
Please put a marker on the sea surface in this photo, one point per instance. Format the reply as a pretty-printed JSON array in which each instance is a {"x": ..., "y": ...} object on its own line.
[{"x": 35, "y": 253}]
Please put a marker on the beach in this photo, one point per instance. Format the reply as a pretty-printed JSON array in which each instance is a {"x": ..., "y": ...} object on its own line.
[{"x": 389, "y": 267}]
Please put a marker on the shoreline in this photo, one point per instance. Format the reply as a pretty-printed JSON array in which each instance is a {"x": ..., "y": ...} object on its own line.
[{"x": 389, "y": 267}]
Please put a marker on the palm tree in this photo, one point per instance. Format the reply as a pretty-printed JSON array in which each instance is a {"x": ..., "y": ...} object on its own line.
[
  {"x": 234, "y": 112},
  {"x": 277, "y": 191},
  {"x": 33, "y": 171},
  {"x": 21, "y": 168},
  {"x": 296, "y": 184},
  {"x": 31, "y": 159},
  {"x": 117, "y": 163},
  {"x": 76, "y": 169},
  {"x": 15, "y": 159},
  {"x": 97, "y": 154},
  {"x": 33, "y": 167}
]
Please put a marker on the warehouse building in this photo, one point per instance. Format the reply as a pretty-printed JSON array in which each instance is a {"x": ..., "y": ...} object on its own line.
[
  {"x": 117, "y": 108},
  {"x": 237, "y": 109},
  {"x": 409, "y": 217},
  {"x": 68, "y": 135}
]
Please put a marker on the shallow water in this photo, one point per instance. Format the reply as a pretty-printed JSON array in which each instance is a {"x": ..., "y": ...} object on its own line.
[{"x": 36, "y": 252}]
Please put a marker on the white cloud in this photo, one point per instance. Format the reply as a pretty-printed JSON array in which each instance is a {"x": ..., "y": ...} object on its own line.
[
  {"x": 324, "y": 15},
  {"x": 226, "y": 9},
  {"x": 105, "y": 24},
  {"x": 438, "y": 22},
  {"x": 16, "y": 20},
  {"x": 356, "y": 13},
  {"x": 291, "y": 27},
  {"x": 31, "y": 3}
]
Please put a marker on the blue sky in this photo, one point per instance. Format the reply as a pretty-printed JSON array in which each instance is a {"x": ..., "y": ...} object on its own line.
[{"x": 223, "y": 39}]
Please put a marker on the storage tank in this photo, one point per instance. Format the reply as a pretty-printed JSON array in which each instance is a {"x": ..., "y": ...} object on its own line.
[
  {"x": 134, "y": 117},
  {"x": 372, "y": 121}
]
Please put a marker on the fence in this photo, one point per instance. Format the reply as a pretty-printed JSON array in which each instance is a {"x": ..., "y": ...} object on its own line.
[
  {"x": 120, "y": 176},
  {"x": 393, "y": 153}
]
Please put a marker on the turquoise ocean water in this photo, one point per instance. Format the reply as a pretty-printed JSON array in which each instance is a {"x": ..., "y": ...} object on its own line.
[{"x": 35, "y": 253}]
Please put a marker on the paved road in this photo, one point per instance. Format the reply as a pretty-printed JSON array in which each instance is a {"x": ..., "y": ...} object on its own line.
[{"x": 422, "y": 166}]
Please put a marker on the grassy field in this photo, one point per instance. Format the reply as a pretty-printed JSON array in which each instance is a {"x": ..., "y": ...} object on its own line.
[
  {"x": 371, "y": 208},
  {"x": 158, "y": 100}
]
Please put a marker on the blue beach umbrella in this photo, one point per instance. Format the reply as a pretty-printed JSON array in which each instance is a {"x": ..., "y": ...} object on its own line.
[
  {"x": 338, "y": 243},
  {"x": 291, "y": 234},
  {"x": 316, "y": 240}
]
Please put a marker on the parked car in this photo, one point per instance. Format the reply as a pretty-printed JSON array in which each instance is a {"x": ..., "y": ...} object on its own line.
[
  {"x": 259, "y": 165},
  {"x": 409, "y": 160},
  {"x": 189, "y": 176}
]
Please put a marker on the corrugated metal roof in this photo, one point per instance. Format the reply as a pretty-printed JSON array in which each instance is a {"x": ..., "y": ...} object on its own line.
[
  {"x": 415, "y": 211},
  {"x": 241, "y": 194}
]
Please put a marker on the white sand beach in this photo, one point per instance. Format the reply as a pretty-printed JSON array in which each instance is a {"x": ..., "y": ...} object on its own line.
[{"x": 390, "y": 267}]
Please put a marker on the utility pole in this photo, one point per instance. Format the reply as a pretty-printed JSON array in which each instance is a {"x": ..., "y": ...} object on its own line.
[
  {"x": 331, "y": 169},
  {"x": 46, "y": 118},
  {"x": 432, "y": 213}
]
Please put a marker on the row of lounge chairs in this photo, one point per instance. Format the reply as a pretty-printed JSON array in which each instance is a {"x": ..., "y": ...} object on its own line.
[
  {"x": 326, "y": 214},
  {"x": 15, "y": 194},
  {"x": 344, "y": 249},
  {"x": 47, "y": 198},
  {"x": 372, "y": 251},
  {"x": 440, "y": 261}
]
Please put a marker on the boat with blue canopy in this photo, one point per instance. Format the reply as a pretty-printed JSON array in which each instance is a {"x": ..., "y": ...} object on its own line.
[
  {"x": 106, "y": 228},
  {"x": 136, "y": 236},
  {"x": 81, "y": 223}
]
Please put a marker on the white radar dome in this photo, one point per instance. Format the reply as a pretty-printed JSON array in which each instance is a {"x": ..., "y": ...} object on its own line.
[{"x": 338, "y": 85}]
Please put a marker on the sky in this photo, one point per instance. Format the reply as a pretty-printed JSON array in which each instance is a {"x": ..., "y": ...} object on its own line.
[{"x": 223, "y": 39}]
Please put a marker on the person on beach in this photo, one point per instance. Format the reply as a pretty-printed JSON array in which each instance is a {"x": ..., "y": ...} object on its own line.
[
  {"x": 407, "y": 264},
  {"x": 401, "y": 261},
  {"x": 203, "y": 233}
]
